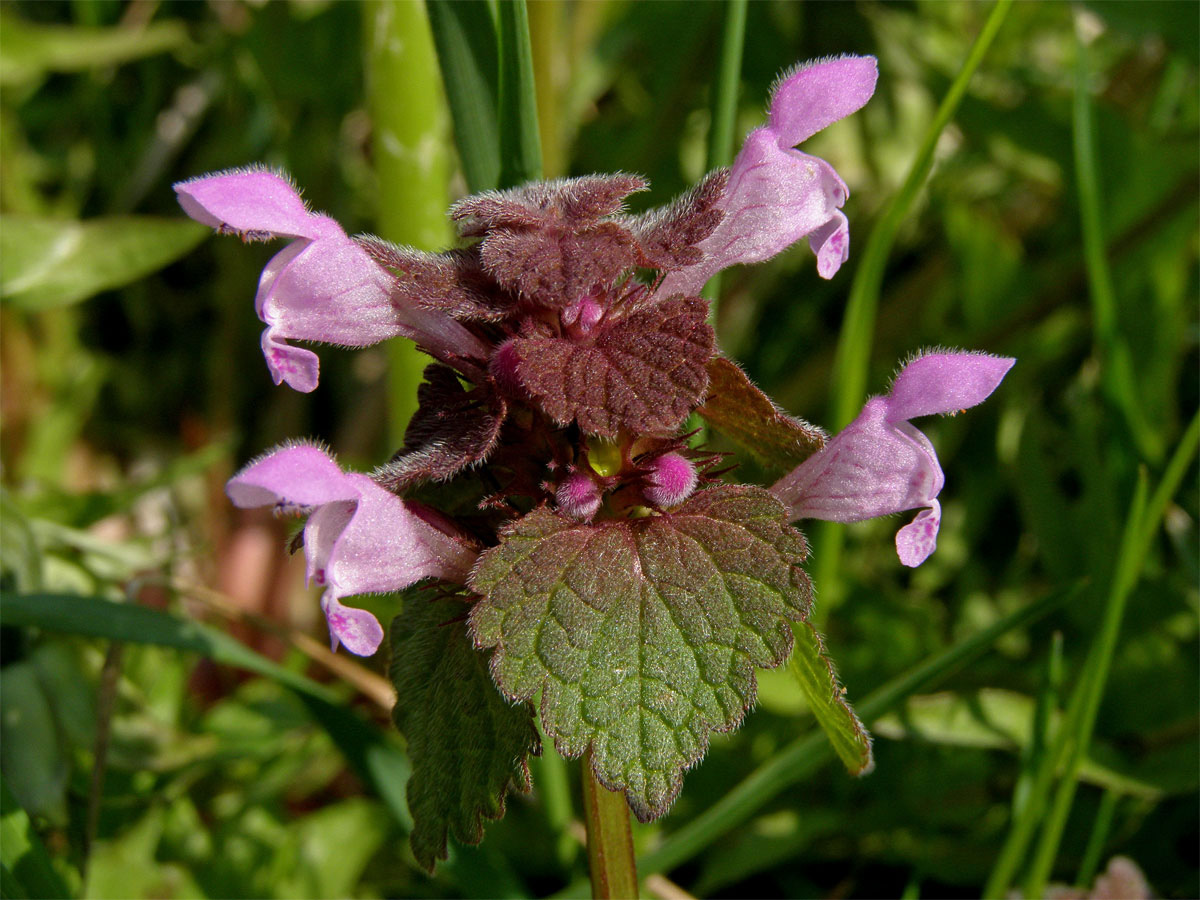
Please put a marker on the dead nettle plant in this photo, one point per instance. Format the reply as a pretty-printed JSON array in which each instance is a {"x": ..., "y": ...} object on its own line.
[{"x": 591, "y": 568}]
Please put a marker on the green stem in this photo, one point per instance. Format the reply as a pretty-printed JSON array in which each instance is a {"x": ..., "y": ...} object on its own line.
[
  {"x": 724, "y": 111},
  {"x": 609, "y": 839},
  {"x": 1118, "y": 378},
  {"x": 853, "y": 356},
  {"x": 410, "y": 129}
]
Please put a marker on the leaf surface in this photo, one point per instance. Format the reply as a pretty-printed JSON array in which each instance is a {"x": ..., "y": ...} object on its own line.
[
  {"x": 642, "y": 634},
  {"x": 642, "y": 373},
  {"x": 452, "y": 429},
  {"x": 468, "y": 745},
  {"x": 53, "y": 262},
  {"x": 749, "y": 418}
]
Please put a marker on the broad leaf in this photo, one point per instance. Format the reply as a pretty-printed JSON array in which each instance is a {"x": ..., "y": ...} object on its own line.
[
  {"x": 52, "y": 262},
  {"x": 643, "y": 373},
  {"x": 642, "y": 634},
  {"x": 749, "y": 418},
  {"x": 468, "y": 746}
]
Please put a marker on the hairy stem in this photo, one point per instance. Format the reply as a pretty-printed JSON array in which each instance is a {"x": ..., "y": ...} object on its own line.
[{"x": 609, "y": 840}]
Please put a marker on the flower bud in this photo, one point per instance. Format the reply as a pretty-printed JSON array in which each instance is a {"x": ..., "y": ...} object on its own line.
[
  {"x": 578, "y": 496},
  {"x": 670, "y": 480},
  {"x": 503, "y": 367}
]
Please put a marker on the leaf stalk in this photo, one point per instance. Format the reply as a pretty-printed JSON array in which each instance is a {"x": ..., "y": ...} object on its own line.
[{"x": 611, "y": 862}]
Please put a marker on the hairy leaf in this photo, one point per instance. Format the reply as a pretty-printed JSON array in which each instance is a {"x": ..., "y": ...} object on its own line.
[
  {"x": 555, "y": 265},
  {"x": 642, "y": 634},
  {"x": 747, "y": 416},
  {"x": 668, "y": 236},
  {"x": 468, "y": 746},
  {"x": 452, "y": 429},
  {"x": 452, "y": 282},
  {"x": 643, "y": 373},
  {"x": 827, "y": 700},
  {"x": 574, "y": 201}
]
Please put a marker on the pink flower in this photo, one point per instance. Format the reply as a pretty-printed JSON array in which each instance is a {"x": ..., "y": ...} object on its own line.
[
  {"x": 359, "y": 538},
  {"x": 880, "y": 464},
  {"x": 321, "y": 287},
  {"x": 777, "y": 195}
]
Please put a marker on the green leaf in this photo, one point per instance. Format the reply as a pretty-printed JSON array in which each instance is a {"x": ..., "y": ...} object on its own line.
[
  {"x": 32, "y": 753},
  {"x": 465, "y": 35},
  {"x": 642, "y": 634},
  {"x": 468, "y": 746},
  {"x": 749, "y": 418},
  {"x": 26, "y": 864},
  {"x": 827, "y": 700},
  {"x": 30, "y": 51},
  {"x": 53, "y": 262}
]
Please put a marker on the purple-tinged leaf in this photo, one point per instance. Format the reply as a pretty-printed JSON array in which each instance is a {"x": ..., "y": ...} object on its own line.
[
  {"x": 558, "y": 266},
  {"x": 453, "y": 282},
  {"x": 642, "y": 635},
  {"x": 642, "y": 373},
  {"x": 575, "y": 201},
  {"x": 749, "y": 418},
  {"x": 453, "y": 428},
  {"x": 468, "y": 746},
  {"x": 668, "y": 236}
]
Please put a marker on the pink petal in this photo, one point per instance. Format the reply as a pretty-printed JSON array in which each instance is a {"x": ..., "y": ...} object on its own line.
[
  {"x": 831, "y": 243},
  {"x": 945, "y": 382},
  {"x": 298, "y": 367},
  {"x": 299, "y": 475},
  {"x": 774, "y": 198},
  {"x": 918, "y": 539},
  {"x": 816, "y": 94},
  {"x": 386, "y": 546},
  {"x": 871, "y": 468},
  {"x": 356, "y": 629},
  {"x": 254, "y": 203}
]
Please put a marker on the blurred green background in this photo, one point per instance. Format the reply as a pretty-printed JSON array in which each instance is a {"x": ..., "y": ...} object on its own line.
[{"x": 133, "y": 386}]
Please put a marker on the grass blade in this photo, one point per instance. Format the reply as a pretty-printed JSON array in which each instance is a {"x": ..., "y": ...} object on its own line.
[
  {"x": 1141, "y": 526},
  {"x": 805, "y": 755},
  {"x": 853, "y": 356},
  {"x": 517, "y": 121},
  {"x": 1118, "y": 377},
  {"x": 465, "y": 36}
]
